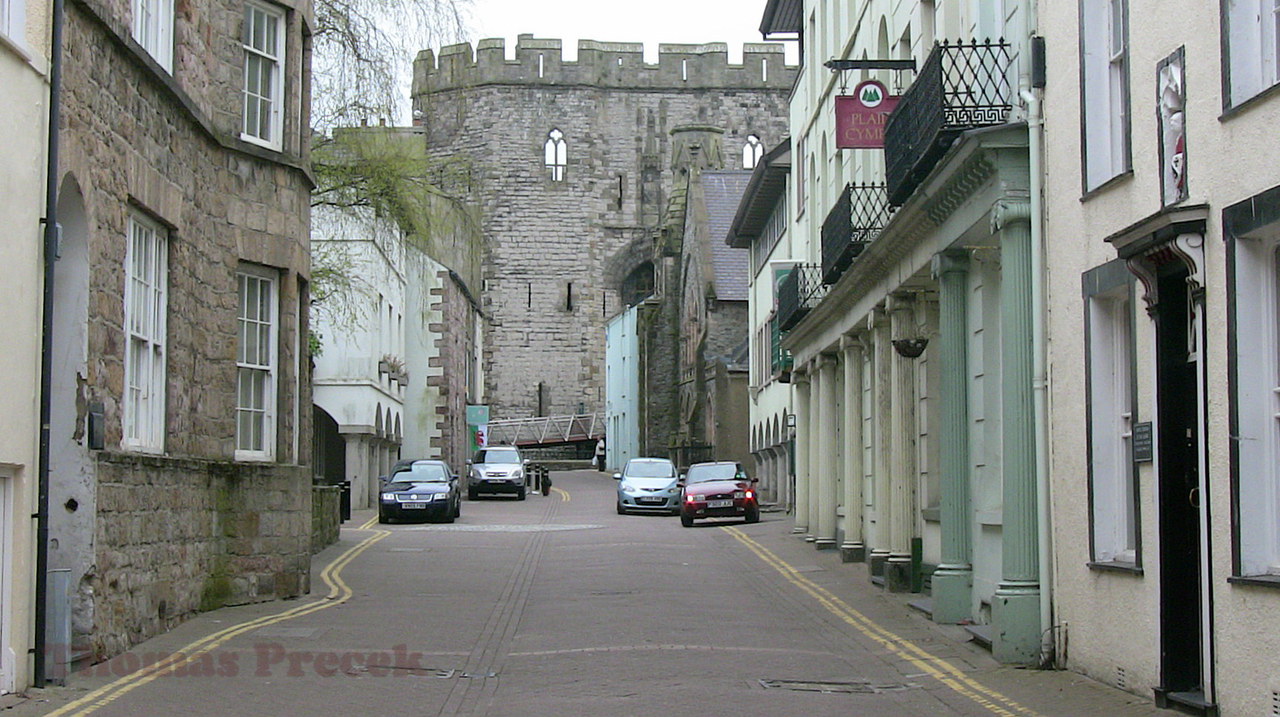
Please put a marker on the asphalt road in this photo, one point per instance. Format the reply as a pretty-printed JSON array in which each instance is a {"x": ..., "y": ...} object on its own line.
[{"x": 557, "y": 606}]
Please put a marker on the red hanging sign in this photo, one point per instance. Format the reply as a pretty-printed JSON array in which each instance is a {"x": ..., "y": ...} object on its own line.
[{"x": 861, "y": 117}]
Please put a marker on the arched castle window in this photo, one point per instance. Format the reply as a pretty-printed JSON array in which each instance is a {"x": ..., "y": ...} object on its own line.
[
  {"x": 556, "y": 154},
  {"x": 752, "y": 151}
]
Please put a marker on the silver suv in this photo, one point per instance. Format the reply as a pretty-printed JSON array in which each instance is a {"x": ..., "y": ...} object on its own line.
[{"x": 498, "y": 469}]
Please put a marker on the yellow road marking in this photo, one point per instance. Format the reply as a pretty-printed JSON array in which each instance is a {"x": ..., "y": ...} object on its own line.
[
  {"x": 935, "y": 666},
  {"x": 564, "y": 494},
  {"x": 369, "y": 523},
  {"x": 339, "y": 593}
]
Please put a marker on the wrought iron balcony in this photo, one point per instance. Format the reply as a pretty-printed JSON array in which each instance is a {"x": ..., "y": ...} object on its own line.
[
  {"x": 961, "y": 86},
  {"x": 800, "y": 291},
  {"x": 854, "y": 221}
]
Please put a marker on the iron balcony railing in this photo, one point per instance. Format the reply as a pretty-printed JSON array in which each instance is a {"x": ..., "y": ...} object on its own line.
[
  {"x": 961, "y": 86},
  {"x": 800, "y": 291},
  {"x": 854, "y": 222}
]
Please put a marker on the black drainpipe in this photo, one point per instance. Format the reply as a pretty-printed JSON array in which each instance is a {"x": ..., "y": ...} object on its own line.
[{"x": 46, "y": 344}]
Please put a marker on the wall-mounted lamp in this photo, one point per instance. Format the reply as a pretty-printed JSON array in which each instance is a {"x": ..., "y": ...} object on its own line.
[
  {"x": 791, "y": 420},
  {"x": 910, "y": 348}
]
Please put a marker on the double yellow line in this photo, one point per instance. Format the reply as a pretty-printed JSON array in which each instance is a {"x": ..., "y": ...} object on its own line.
[
  {"x": 339, "y": 592},
  {"x": 932, "y": 665}
]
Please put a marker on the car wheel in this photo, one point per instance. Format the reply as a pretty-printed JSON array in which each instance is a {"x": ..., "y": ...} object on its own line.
[
  {"x": 457, "y": 509},
  {"x": 449, "y": 517},
  {"x": 472, "y": 494},
  {"x": 753, "y": 514},
  {"x": 686, "y": 520},
  {"x": 621, "y": 510},
  {"x": 382, "y": 519},
  {"x": 520, "y": 494}
]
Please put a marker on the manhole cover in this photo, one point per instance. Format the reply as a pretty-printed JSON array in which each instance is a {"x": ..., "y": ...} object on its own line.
[{"x": 851, "y": 687}]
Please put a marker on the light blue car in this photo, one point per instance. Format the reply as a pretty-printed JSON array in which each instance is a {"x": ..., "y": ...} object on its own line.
[{"x": 648, "y": 484}]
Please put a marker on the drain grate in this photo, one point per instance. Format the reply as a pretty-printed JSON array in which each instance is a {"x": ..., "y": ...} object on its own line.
[
  {"x": 864, "y": 687},
  {"x": 1275, "y": 704}
]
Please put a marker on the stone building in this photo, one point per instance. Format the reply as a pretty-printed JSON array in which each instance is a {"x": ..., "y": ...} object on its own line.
[
  {"x": 181, "y": 391},
  {"x": 24, "y": 75},
  {"x": 573, "y": 169}
]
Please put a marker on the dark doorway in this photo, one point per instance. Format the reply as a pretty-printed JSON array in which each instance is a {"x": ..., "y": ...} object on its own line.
[{"x": 1179, "y": 496}]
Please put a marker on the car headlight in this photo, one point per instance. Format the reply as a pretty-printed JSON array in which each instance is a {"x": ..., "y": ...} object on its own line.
[
  {"x": 388, "y": 496},
  {"x": 517, "y": 473},
  {"x": 627, "y": 487},
  {"x": 440, "y": 496}
]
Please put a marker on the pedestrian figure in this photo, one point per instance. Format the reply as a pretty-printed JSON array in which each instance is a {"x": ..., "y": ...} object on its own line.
[{"x": 600, "y": 454}]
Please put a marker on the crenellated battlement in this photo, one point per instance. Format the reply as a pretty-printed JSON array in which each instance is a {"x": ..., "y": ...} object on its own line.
[{"x": 601, "y": 64}]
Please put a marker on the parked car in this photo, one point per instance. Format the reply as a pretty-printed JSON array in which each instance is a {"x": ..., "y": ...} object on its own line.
[
  {"x": 420, "y": 490},
  {"x": 718, "y": 489},
  {"x": 648, "y": 484},
  {"x": 496, "y": 470},
  {"x": 397, "y": 467}
]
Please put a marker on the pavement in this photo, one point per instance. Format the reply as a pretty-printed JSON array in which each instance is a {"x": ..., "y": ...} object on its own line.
[{"x": 557, "y": 606}]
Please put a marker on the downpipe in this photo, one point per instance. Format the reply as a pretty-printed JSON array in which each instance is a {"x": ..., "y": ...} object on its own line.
[{"x": 1039, "y": 376}]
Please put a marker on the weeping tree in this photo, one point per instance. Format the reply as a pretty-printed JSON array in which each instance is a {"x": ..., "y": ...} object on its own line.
[{"x": 371, "y": 180}]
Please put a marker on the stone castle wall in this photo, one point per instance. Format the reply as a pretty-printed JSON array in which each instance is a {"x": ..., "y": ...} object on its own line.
[{"x": 551, "y": 244}]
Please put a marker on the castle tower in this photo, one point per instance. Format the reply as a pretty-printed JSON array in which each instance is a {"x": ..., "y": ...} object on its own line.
[{"x": 573, "y": 164}]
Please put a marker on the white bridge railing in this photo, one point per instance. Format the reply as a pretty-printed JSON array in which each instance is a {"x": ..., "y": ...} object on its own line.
[{"x": 546, "y": 429}]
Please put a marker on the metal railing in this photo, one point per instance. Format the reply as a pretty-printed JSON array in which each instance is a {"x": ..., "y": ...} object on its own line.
[
  {"x": 854, "y": 222},
  {"x": 537, "y": 430},
  {"x": 799, "y": 291},
  {"x": 960, "y": 86}
]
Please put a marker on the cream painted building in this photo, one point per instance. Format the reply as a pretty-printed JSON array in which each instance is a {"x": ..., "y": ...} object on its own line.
[
  {"x": 1163, "y": 204},
  {"x": 908, "y": 312},
  {"x": 24, "y": 75}
]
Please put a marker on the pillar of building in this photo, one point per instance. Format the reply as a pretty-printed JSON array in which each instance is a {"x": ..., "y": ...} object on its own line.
[
  {"x": 953, "y": 578},
  {"x": 357, "y": 469},
  {"x": 816, "y": 430},
  {"x": 1015, "y": 607},
  {"x": 801, "y": 495},
  {"x": 828, "y": 455},
  {"x": 852, "y": 548},
  {"x": 882, "y": 353},
  {"x": 902, "y": 467}
]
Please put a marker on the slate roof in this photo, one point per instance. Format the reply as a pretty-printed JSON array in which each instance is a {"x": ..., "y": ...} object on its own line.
[{"x": 730, "y": 267}]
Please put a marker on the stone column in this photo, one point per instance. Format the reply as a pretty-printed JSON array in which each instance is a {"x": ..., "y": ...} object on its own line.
[
  {"x": 801, "y": 378},
  {"x": 815, "y": 448},
  {"x": 1015, "y": 609},
  {"x": 852, "y": 549},
  {"x": 828, "y": 455},
  {"x": 357, "y": 468},
  {"x": 883, "y": 356},
  {"x": 953, "y": 579},
  {"x": 902, "y": 469}
]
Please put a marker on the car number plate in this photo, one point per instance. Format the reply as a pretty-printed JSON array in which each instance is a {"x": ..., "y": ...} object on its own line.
[
  {"x": 410, "y": 506},
  {"x": 496, "y": 480},
  {"x": 653, "y": 500},
  {"x": 720, "y": 504}
]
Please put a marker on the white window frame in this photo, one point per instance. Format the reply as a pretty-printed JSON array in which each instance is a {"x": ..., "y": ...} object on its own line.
[
  {"x": 145, "y": 325},
  {"x": 13, "y": 20},
  {"x": 1112, "y": 483},
  {"x": 1257, "y": 403},
  {"x": 556, "y": 154},
  {"x": 264, "y": 58},
  {"x": 1252, "y": 63},
  {"x": 257, "y": 323},
  {"x": 1104, "y": 78},
  {"x": 153, "y": 29}
]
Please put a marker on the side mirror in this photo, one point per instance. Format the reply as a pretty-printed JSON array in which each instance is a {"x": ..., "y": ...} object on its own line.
[{"x": 617, "y": 476}]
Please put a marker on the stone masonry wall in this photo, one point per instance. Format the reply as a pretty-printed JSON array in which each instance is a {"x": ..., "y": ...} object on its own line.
[
  {"x": 326, "y": 516},
  {"x": 175, "y": 537},
  {"x": 455, "y": 335},
  {"x": 550, "y": 244}
]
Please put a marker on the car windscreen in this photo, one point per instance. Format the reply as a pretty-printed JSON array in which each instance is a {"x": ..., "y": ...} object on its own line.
[
  {"x": 422, "y": 473},
  {"x": 649, "y": 469},
  {"x": 720, "y": 471},
  {"x": 497, "y": 456}
]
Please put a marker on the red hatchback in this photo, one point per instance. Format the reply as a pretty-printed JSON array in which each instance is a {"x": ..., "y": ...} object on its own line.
[{"x": 718, "y": 490}]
